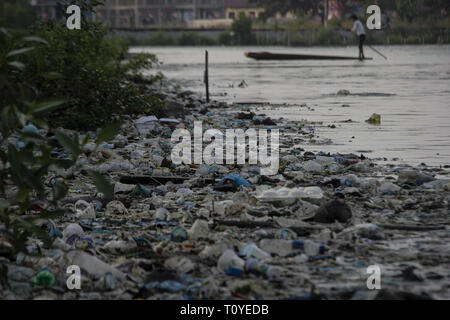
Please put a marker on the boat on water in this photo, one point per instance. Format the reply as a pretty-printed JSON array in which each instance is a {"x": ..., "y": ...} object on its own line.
[{"x": 283, "y": 56}]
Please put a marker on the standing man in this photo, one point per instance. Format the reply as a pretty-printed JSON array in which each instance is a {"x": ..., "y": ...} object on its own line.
[{"x": 359, "y": 29}]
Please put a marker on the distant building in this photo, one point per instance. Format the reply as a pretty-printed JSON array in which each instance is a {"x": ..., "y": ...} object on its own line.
[
  {"x": 136, "y": 14},
  {"x": 47, "y": 9},
  {"x": 146, "y": 13},
  {"x": 335, "y": 9},
  {"x": 52, "y": 10},
  {"x": 234, "y": 8}
]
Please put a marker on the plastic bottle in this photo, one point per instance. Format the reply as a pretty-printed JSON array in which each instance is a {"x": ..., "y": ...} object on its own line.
[
  {"x": 312, "y": 167},
  {"x": 252, "y": 251},
  {"x": 258, "y": 268},
  {"x": 286, "y": 247},
  {"x": 276, "y": 246},
  {"x": 312, "y": 248},
  {"x": 179, "y": 234},
  {"x": 44, "y": 279},
  {"x": 230, "y": 259},
  {"x": 388, "y": 188},
  {"x": 199, "y": 229},
  {"x": 221, "y": 208},
  {"x": 286, "y": 234},
  {"x": 232, "y": 271}
]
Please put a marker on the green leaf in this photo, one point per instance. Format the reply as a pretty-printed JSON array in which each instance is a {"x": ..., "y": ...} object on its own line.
[
  {"x": 86, "y": 139},
  {"x": 6, "y": 121},
  {"x": 17, "y": 65},
  {"x": 24, "y": 202},
  {"x": 19, "y": 51},
  {"x": 102, "y": 184},
  {"x": 4, "y": 204},
  {"x": 71, "y": 145},
  {"x": 26, "y": 157},
  {"x": 52, "y": 75},
  {"x": 38, "y": 122},
  {"x": 32, "y": 137},
  {"x": 35, "y": 39},
  {"x": 19, "y": 238},
  {"x": 59, "y": 191},
  {"x": 21, "y": 117},
  {"x": 47, "y": 105},
  {"x": 5, "y": 32},
  {"x": 108, "y": 132},
  {"x": 61, "y": 163},
  {"x": 20, "y": 174},
  {"x": 32, "y": 229},
  {"x": 47, "y": 214},
  {"x": 3, "y": 156}
]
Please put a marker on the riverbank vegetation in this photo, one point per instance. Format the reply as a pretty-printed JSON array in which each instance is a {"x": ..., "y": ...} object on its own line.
[
  {"x": 403, "y": 22},
  {"x": 301, "y": 32},
  {"x": 53, "y": 79}
]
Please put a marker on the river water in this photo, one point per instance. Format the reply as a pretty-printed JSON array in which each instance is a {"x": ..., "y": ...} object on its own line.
[{"x": 410, "y": 90}]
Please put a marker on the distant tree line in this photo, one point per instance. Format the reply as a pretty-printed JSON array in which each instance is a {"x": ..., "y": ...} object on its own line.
[
  {"x": 16, "y": 13},
  {"x": 20, "y": 14},
  {"x": 408, "y": 10}
]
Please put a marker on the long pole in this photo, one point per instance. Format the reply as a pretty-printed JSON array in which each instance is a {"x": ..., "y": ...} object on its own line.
[
  {"x": 342, "y": 28},
  {"x": 206, "y": 77},
  {"x": 377, "y": 51}
]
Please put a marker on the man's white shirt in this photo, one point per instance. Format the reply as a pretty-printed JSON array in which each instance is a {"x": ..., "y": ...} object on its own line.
[{"x": 359, "y": 28}]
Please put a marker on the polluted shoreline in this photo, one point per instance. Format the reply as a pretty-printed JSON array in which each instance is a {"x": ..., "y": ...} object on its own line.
[{"x": 313, "y": 231}]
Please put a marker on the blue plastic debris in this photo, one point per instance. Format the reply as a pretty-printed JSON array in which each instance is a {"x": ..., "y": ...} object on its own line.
[
  {"x": 141, "y": 191},
  {"x": 143, "y": 242},
  {"x": 98, "y": 205},
  {"x": 231, "y": 271},
  {"x": 237, "y": 178},
  {"x": 179, "y": 234},
  {"x": 110, "y": 281},
  {"x": 168, "y": 285},
  {"x": 55, "y": 232},
  {"x": 189, "y": 204}
]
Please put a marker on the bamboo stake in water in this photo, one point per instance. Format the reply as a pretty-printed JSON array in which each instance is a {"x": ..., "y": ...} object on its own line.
[{"x": 206, "y": 77}]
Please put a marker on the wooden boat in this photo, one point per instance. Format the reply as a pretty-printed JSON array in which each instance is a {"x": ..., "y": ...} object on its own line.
[{"x": 282, "y": 56}]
